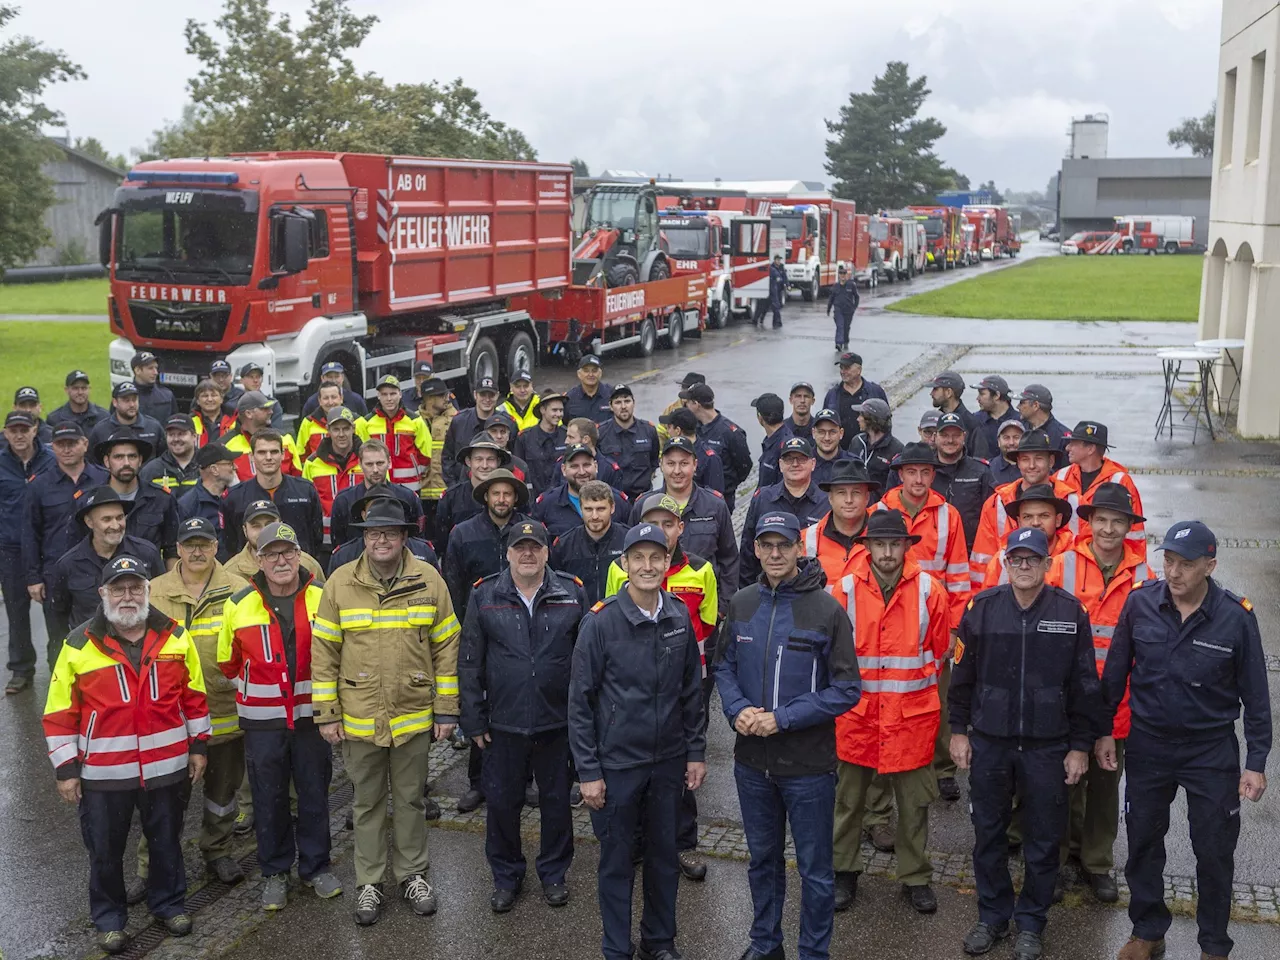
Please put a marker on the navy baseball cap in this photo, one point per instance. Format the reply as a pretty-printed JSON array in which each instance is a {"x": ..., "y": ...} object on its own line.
[
  {"x": 829, "y": 415},
  {"x": 75, "y": 376},
  {"x": 800, "y": 445},
  {"x": 644, "y": 533},
  {"x": 486, "y": 385},
  {"x": 801, "y": 385},
  {"x": 67, "y": 430},
  {"x": 527, "y": 530},
  {"x": 1028, "y": 538},
  {"x": 769, "y": 406},
  {"x": 423, "y": 369},
  {"x": 19, "y": 418},
  {"x": 213, "y": 453},
  {"x": 621, "y": 390},
  {"x": 180, "y": 421},
  {"x": 261, "y": 508},
  {"x": 26, "y": 395},
  {"x": 588, "y": 360},
  {"x": 950, "y": 420},
  {"x": 196, "y": 528},
  {"x": 124, "y": 388},
  {"x": 122, "y": 567},
  {"x": 680, "y": 443},
  {"x": 219, "y": 366},
  {"x": 849, "y": 359},
  {"x": 574, "y": 449},
  {"x": 251, "y": 367},
  {"x": 785, "y": 524},
  {"x": 142, "y": 359},
  {"x": 1191, "y": 540},
  {"x": 333, "y": 366}
]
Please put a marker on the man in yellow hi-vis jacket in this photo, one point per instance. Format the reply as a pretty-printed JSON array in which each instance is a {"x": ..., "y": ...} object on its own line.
[{"x": 386, "y": 608}]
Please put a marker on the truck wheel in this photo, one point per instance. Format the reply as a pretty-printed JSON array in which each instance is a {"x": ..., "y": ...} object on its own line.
[
  {"x": 1170, "y": 247},
  {"x": 810, "y": 293},
  {"x": 622, "y": 274},
  {"x": 648, "y": 336},
  {"x": 484, "y": 362},
  {"x": 911, "y": 270},
  {"x": 675, "y": 329},
  {"x": 720, "y": 310},
  {"x": 520, "y": 355},
  {"x": 659, "y": 271}
]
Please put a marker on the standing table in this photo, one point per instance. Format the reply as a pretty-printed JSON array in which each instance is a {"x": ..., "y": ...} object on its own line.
[
  {"x": 1172, "y": 361},
  {"x": 1226, "y": 345}
]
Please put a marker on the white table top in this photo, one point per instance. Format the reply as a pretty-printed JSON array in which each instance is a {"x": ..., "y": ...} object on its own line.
[
  {"x": 1221, "y": 343},
  {"x": 1187, "y": 353}
]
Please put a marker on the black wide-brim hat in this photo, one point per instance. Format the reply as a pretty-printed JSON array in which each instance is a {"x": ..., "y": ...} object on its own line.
[
  {"x": 385, "y": 512},
  {"x": 1037, "y": 441},
  {"x": 1110, "y": 496},
  {"x": 886, "y": 525},
  {"x": 505, "y": 476},
  {"x": 100, "y": 497},
  {"x": 103, "y": 447},
  {"x": 1042, "y": 492}
]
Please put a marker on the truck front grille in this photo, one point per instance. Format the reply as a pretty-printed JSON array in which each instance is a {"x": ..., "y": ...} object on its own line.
[{"x": 179, "y": 321}]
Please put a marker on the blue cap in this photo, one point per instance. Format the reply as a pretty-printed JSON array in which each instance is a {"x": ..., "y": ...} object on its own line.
[
  {"x": 1028, "y": 538},
  {"x": 1190, "y": 539},
  {"x": 333, "y": 366},
  {"x": 644, "y": 533},
  {"x": 785, "y": 524},
  {"x": 219, "y": 366}
]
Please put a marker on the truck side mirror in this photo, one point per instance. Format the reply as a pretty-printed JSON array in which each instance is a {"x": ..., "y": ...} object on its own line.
[
  {"x": 105, "y": 221},
  {"x": 297, "y": 232},
  {"x": 727, "y": 249}
]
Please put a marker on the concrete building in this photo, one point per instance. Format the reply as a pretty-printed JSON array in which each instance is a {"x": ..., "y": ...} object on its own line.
[
  {"x": 1240, "y": 295},
  {"x": 84, "y": 186},
  {"x": 1091, "y": 192}
]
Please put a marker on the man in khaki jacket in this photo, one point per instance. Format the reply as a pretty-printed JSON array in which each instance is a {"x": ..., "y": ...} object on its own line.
[
  {"x": 193, "y": 594},
  {"x": 388, "y": 607},
  {"x": 437, "y": 412}
]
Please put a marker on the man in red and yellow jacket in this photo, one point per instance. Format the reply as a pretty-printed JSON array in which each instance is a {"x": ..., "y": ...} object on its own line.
[
  {"x": 900, "y": 623},
  {"x": 314, "y": 427},
  {"x": 1101, "y": 571},
  {"x": 407, "y": 438},
  {"x": 833, "y": 540},
  {"x": 335, "y": 464},
  {"x": 265, "y": 646},
  {"x": 941, "y": 551},
  {"x": 127, "y": 724},
  {"x": 693, "y": 580},
  {"x": 1090, "y": 468},
  {"x": 1037, "y": 458},
  {"x": 254, "y": 415}
]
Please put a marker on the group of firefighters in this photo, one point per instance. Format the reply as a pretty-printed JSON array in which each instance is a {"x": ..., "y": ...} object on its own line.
[{"x": 554, "y": 583}]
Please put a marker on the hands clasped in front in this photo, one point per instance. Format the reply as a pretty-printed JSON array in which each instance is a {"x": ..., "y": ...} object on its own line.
[{"x": 756, "y": 722}]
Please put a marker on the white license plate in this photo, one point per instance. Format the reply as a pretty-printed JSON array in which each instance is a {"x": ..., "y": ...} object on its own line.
[{"x": 179, "y": 379}]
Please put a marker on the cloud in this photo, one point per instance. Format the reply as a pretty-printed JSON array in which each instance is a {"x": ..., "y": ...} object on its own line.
[{"x": 1035, "y": 116}]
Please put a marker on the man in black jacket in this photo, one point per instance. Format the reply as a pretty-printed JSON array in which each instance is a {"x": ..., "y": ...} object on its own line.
[
  {"x": 636, "y": 730},
  {"x": 542, "y": 445},
  {"x": 875, "y": 445},
  {"x": 175, "y": 470},
  {"x": 789, "y": 669},
  {"x": 796, "y": 494},
  {"x": 375, "y": 465},
  {"x": 1035, "y": 407},
  {"x": 1025, "y": 707},
  {"x": 633, "y": 443},
  {"x": 587, "y": 550},
  {"x": 963, "y": 481},
  {"x": 946, "y": 390},
  {"x": 125, "y": 413},
  {"x": 464, "y": 427},
  {"x": 295, "y": 498},
  {"x": 590, "y": 398},
  {"x": 721, "y": 435},
  {"x": 513, "y": 667},
  {"x": 78, "y": 409},
  {"x": 154, "y": 399},
  {"x": 154, "y": 514},
  {"x": 844, "y": 299}
]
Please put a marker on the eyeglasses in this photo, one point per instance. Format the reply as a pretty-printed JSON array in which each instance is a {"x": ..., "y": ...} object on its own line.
[
  {"x": 771, "y": 546},
  {"x": 377, "y": 535},
  {"x": 127, "y": 590},
  {"x": 1023, "y": 563}
]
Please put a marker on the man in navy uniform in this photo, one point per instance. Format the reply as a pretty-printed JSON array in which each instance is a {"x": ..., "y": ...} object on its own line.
[
  {"x": 844, "y": 300},
  {"x": 1190, "y": 654}
]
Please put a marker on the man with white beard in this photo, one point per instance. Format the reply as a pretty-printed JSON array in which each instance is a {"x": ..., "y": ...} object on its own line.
[{"x": 124, "y": 736}]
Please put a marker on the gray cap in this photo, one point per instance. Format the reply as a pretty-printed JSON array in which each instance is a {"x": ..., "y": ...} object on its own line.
[
  {"x": 949, "y": 379},
  {"x": 874, "y": 407},
  {"x": 1037, "y": 392},
  {"x": 929, "y": 420},
  {"x": 278, "y": 532},
  {"x": 254, "y": 400}
]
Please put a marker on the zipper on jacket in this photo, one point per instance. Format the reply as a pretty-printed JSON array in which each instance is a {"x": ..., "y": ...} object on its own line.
[
  {"x": 88, "y": 733},
  {"x": 155, "y": 682},
  {"x": 1022, "y": 681},
  {"x": 764, "y": 680}
]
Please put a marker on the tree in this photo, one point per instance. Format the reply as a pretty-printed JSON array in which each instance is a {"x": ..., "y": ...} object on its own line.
[
  {"x": 882, "y": 153},
  {"x": 267, "y": 86},
  {"x": 91, "y": 146},
  {"x": 990, "y": 188},
  {"x": 1196, "y": 133},
  {"x": 26, "y": 68},
  {"x": 580, "y": 168},
  {"x": 958, "y": 180}
]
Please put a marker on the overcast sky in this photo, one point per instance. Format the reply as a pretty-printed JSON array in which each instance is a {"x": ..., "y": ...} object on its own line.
[{"x": 703, "y": 89}]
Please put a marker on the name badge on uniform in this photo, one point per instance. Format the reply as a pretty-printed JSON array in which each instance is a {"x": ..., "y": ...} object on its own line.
[
  {"x": 673, "y": 633},
  {"x": 1056, "y": 626}
]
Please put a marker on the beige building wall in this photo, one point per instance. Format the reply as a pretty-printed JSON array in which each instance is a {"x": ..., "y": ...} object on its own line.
[{"x": 1240, "y": 296}]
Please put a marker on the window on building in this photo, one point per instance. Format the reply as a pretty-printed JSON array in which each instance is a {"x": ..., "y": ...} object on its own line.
[
  {"x": 1228, "y": 109},
  {"x": 1257, "y": 87}
]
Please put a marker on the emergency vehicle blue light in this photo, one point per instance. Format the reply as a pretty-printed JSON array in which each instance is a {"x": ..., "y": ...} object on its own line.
[
  {"x": 178, "y": 176},
  {"x": 688, "y": 213}
]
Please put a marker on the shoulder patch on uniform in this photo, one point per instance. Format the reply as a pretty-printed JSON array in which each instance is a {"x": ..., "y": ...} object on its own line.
[
  {"x": 597, "y": 606},
  {"x": 478, "y": 582},
  {"x": 733, "y": 428},
  {"x": 540, "y": 496},
  {"x": 695, "y": 562},
  {"x": 716, "y": 493},
  {"x": 1243, "y": 601},
  {"x": 970, "y": 606}
]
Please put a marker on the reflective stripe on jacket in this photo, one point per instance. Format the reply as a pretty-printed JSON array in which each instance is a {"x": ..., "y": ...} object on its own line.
[
  {"x": 1111, "y": 472},
  {"x": 202, "y": 618},
  {"x": 1077, "y": 572},
  {"x": 941, "y": 550},
  {"x": 996, "y": 574},
  {"x": 836, "y": 561},
  {"x": 120, "y": 728},
  {"x": 408, "y": 441},
  {"x": 995, "y": 525},
  {"x": 386, "y": 657},
  {"x": 238, "y": 443},
  {"x": 901, "y": 646},
  {"x": 330, "y": 477},
  {"x": 433, "y": 484},
  {"x": 251, "y": 652}
]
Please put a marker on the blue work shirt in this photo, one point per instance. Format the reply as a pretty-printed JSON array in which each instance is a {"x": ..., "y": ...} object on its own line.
[
  {"x": 49, "y": 529},
  {"x": 14, "y": 475},
  {"x": 1188, "y": 678}
]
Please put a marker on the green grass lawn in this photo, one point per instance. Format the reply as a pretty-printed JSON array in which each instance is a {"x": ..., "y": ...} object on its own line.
[
  {"x": 41, "y": 355},
  {"x": 67, "y": 296},
  {"x": 1073, "y": 288}
]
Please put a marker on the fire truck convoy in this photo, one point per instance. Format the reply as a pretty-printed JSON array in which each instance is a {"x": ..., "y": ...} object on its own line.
[{"x": 295, "y": 259}]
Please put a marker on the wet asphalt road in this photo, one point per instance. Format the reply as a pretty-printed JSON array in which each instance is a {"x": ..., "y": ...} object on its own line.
[{"x": 1104, "y": 371}]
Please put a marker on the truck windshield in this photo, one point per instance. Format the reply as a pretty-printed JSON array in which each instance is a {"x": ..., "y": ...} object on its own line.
[
  {"x": 793, "y": 222},
  {"x": 688, "y": 243},
  {"x": 933, "y": 228},
  {"x": 879, "y": 230},
  {"x": 202, "y": 236},
  {"x": 616, "y": 209}
]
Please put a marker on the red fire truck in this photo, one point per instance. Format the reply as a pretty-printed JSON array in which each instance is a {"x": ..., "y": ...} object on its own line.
[
  {"x": 898, "y": 246},
  {"x": 997, "y": 230},
  {"x": 943, "y": 233},
  {"x": 295, "y": 259}
]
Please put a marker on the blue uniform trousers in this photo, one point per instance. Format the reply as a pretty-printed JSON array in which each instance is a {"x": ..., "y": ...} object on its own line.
[
  {"x": 998, "y": 768},
  {"x": 273, "y": 758},
  {"x": 507, "y": 759},
  {"x": 1209, "y": 772}
]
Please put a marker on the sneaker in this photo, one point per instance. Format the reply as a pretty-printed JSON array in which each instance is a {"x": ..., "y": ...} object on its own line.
[
  {"x": 225, "y": 870},
  {"x": 983, "y": 937},
  {"x": 1028, "y": 946},
  {"x": 846, "y": 889},
  {"x": 471, "y": 800},
  {"x": 17, "y": 683},
  {"x": 368, "y": 904},
  {"x": 430, "y": 809},
  {"x": 691, "y": 865},
  {"x": 948, "y": 789},
  {"x": 113, "y": 941},
  {"x": 575, "y": 795},
  {"x": 244, "y": 823},
  {"x": 883, "y": 837},
  {"x": 419, "y": 894},
  {"x": 326, "y": 885},
  {"x": 136, "y": 891},
  {"x": 531, "y": 795},
  {"x": 275, "y": 891},
  {"x": 178, "y": 925}
]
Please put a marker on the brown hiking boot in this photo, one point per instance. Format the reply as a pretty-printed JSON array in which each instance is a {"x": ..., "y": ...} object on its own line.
[
  {"x": 1138, "y": 949},
  {"x": 882, "y": 837}
]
